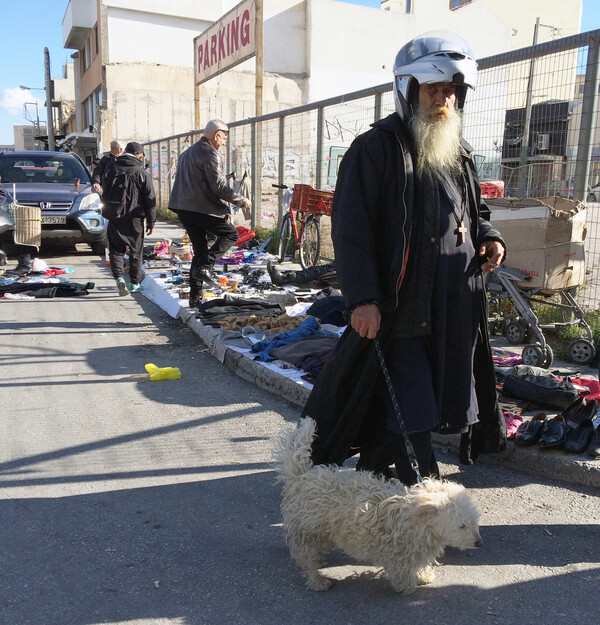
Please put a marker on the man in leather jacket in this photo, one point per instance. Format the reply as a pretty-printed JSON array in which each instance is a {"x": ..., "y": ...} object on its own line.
[{"x": 199, "y": 197}]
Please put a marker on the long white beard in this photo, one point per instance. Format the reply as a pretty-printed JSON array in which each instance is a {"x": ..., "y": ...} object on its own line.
[{"x": 437, "y": 138}]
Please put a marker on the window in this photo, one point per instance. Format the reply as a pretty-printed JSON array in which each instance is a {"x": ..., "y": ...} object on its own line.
[
  {"x": 89, "y": 111},
  {"x": 96, "y": 46},
  {"x": 409, "y": 6},
  {"x": 86, "y": 57}
]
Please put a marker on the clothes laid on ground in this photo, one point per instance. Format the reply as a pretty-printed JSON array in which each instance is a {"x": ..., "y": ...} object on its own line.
[
  {"x": 330, "y": 309},
  {"x": 212, "y": 311},
  {"x": 544, "y": 391},
  {"x": 306, "y": 349},
  {"x": 263, "y": 349},
  {"x": 270, "y": 324},
  {"x": 44, "y": 290}
]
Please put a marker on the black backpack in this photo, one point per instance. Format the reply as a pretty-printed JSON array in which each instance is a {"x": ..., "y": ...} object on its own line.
[{"x": 119, "y": 193}]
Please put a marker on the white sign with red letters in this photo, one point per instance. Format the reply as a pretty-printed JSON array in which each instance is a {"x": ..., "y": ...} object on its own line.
[{"x": 229, "y": 41}]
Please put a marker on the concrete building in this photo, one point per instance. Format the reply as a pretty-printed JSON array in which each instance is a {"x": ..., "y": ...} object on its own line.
[
  {"x": 25, "y": 137},
  {"x": 134, "y": 60}
]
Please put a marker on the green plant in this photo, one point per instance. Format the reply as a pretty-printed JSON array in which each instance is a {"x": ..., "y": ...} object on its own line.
[
  {"x": 262, "y": 234},
  {"x": 164, "y": 214}
]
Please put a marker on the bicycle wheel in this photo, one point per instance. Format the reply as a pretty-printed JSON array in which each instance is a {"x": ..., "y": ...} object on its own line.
[
  {"x": 310, "y": 242},
  {"x": 285, "y": 237}
]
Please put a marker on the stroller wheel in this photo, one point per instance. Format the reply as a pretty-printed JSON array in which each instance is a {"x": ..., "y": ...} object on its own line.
[
  {"x": 533, "y": 356},
  {"x": 549, "y": 358},
  {"x": 582, "y": 351},
  {"x": 514, "y": 332}
]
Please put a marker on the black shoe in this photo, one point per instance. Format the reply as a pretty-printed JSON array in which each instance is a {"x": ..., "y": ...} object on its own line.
[
  {"x": 274, "y": 274},
  {"x": 202, "y": 275},
  {"x": 553, "y": 433},
  {"x": 529, "y": 432},
  {"x": 579, "y": 411},
  {"x": 579, "y": 439},
  {"x": 23, "y": 265},
  {"x": 594, "y": 447}
]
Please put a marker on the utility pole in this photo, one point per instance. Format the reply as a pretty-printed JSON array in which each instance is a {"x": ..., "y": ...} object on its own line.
[
  {"x": 49, "y": 96},
  {"x": 523, "y": 173}
]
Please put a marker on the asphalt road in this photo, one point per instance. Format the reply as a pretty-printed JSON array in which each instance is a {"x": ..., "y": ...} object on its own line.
[{"x": 126, "y": 501}]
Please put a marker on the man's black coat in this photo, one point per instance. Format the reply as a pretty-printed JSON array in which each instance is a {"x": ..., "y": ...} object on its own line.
[{"x": 385, "y": 230}]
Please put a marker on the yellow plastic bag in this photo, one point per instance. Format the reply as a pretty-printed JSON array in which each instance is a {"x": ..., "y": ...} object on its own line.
[{"x": 162, "y": 373}]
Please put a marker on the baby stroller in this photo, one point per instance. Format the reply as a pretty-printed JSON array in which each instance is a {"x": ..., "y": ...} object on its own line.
[
  {"x": 523, "y": 325},
  {"x": 545, "y": 242}
]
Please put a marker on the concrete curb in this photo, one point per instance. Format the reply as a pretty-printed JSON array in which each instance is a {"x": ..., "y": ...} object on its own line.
[{"x": 556, "y": 465}]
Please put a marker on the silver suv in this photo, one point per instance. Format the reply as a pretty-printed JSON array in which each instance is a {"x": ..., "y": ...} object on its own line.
[{"x": 60, "y": 184}]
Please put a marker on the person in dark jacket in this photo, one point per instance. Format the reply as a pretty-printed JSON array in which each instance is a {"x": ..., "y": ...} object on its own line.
[
  {"x": 411, "y": 250},
  {"x": 126, "y": 231},
  {"x": 199, "y": 195},
  {"x": 116, "y": 149}
]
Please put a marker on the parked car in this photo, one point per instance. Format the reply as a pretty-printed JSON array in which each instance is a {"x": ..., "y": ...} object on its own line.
[{"x": 60, "y": 184}]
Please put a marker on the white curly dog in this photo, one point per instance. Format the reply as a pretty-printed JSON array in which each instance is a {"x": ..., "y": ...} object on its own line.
[{"x": 383, "y": 523}]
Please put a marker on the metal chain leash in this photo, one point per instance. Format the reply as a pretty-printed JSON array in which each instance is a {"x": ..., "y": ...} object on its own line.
[{"x": 409, "y": 448}]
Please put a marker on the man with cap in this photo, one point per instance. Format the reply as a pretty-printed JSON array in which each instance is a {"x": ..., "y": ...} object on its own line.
[
  {"x": 199, "y": 196},
  {"x": 129, "y": 205},
  {"x": 412, "y": 248}
]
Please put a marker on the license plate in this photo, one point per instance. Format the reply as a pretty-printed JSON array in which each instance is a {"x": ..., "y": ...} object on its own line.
[{"x": 53, "y": 219}]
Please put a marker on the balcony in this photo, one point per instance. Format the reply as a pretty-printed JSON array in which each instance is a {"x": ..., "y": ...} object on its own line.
[{"x": 80, "y": 16}]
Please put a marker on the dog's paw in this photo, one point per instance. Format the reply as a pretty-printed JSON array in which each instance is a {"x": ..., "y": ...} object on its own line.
[
  {"x": 318, "y": 583},
  {"x": 425, "y": 576}
]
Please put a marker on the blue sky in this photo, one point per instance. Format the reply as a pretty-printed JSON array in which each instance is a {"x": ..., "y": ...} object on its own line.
[{"x": 28, "y": 26}]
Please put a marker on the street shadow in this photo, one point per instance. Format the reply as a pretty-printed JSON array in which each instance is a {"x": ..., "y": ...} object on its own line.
[{"x": 213, "y": 552}]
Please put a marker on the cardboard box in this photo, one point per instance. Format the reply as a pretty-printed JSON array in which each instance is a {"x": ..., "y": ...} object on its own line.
[{"x": 544, "y": 239}]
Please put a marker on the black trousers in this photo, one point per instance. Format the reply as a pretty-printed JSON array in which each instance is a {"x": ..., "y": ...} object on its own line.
[
  {"x": 123, "y": 234},
  {"x": 379, "y": 448},
  {"x": 198, "y": 225}
]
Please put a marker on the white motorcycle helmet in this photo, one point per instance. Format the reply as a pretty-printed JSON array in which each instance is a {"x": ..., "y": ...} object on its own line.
[{"x": 436, "y": 56}]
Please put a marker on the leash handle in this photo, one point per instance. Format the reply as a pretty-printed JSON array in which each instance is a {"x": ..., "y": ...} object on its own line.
[{"x": 407, "y": 444}]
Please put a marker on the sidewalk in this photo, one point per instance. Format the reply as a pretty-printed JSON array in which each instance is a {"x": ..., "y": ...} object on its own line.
[{"x": 555, "y": 464}]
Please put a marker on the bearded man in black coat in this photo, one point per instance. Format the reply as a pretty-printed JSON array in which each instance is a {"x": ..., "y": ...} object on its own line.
[{"x": 411, "y": 250}]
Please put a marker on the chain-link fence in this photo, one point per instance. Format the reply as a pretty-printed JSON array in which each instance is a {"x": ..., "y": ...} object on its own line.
[{"x": 532, "y": 122}]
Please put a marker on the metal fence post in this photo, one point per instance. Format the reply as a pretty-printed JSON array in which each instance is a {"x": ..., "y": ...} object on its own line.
[
  {"x": 159, "y": 176},
  {"x": 255, "y": 183},
  {"x": 281, "y": 168},
  {"x": 319, "y": 168},
  {"x": 377, "y": 107},
  {"x": 586, "y": 130}
]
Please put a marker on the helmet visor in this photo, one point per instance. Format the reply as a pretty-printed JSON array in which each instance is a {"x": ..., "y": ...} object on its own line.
[{"x": 431, "y": 43}]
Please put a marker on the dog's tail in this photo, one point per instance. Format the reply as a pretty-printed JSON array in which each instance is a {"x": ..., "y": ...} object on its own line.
[{"x": 292, "y": 449}]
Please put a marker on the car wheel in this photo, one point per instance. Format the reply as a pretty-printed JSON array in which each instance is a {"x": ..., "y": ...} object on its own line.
[
  {"x": 591, "y": 197},
  {"x": 99, "y": 247}
]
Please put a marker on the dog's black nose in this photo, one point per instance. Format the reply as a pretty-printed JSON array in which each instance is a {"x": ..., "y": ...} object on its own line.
[{"x": 479, "y": 543}]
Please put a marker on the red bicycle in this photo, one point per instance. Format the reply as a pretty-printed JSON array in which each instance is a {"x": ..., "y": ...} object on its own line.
[{"x": 301, "y": 225}]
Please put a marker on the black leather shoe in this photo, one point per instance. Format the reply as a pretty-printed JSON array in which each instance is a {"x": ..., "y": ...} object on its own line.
[
  {"x": 579, "y": 411},
  {"x": 529, "y": 432},
  {"x": 274, "y": 274},
  {"x": 594, "y": 447},
  {"x": 553, "y": 433},
  {"x": 578, "y": 439},
  {"x": 202, "y": 275}
]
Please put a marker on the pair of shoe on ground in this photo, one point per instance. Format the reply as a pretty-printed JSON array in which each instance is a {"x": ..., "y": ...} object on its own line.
[
  {"x": 572, "y": 430},
  {"x": 123, "y": 290}
]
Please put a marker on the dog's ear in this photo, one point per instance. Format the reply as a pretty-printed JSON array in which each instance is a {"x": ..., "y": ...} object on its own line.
[{"x": 427, "y": 503}]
